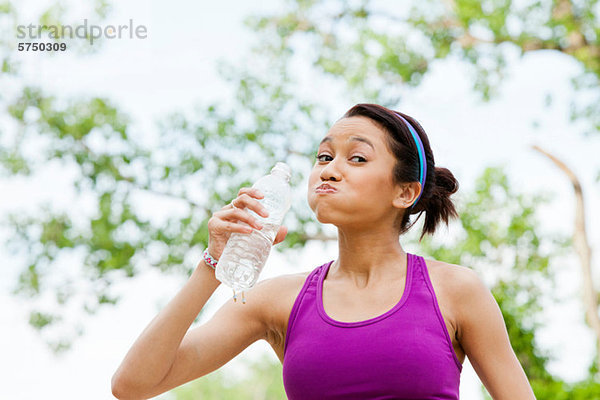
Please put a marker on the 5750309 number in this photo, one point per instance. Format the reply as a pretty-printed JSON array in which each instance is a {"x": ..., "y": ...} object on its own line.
[{"x": 42, "y": 46}]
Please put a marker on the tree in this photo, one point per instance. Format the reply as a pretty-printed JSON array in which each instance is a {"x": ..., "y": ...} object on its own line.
[
  {"x": 378, "y": 50},
  {"x": 113, "y": 170}
]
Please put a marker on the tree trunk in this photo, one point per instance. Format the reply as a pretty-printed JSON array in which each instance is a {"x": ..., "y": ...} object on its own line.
[{"x": 584, "y": 252}]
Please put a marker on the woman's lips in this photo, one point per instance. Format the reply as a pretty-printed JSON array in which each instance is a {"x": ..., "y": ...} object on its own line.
[{"x": 325, "y": 189}]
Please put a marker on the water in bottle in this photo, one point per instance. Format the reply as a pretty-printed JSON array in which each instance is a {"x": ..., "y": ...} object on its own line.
[{"x": 245, "y": 255}]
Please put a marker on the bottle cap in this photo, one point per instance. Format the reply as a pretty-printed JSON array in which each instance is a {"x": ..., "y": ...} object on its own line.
[{"x": 283, "y": 169}]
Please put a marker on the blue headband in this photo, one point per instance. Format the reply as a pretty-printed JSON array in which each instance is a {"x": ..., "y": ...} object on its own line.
[{"x": 422, "y": 159}]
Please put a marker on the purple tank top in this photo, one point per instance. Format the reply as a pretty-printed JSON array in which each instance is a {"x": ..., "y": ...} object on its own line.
[{"x": 405, "y": 353}]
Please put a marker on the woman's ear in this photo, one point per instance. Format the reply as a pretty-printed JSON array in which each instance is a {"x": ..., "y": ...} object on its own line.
[{"x": 406, "y": 194}]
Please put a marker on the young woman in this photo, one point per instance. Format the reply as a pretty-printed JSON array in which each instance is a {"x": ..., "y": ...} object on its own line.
[{"x": 377, "y": 322}]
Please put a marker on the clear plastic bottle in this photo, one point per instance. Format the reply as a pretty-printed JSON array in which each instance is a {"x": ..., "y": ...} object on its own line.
[{"x": 245, "y": 255}]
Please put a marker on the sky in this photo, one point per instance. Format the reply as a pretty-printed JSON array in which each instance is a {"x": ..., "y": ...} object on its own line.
[{"x": 175, "y": 68}]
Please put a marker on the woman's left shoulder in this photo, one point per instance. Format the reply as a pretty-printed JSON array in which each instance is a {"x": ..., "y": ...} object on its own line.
[{"x": 457, "y": 281}]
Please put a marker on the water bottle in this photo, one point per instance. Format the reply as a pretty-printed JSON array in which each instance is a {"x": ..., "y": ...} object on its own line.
[{"x": 245, "y": 255}]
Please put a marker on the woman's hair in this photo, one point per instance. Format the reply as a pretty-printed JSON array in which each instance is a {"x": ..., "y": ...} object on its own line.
[{"x": 440, "y": 183}]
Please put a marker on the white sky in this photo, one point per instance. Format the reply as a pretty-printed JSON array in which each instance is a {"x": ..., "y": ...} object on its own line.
[{"x": 174, "y": 68}]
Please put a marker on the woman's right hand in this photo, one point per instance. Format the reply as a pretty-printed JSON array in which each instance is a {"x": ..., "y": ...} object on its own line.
[{"x": 237, "y": 219}]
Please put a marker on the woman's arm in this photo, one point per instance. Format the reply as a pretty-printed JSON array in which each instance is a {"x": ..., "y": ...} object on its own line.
[
  {"x": 166, "y": 355},
  {"x": 154, "y": 352},
  {"x": 482, "y": 334}
]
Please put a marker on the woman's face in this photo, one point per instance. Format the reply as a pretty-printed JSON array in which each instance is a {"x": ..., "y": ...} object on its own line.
[{"x": 353, "y": 159}]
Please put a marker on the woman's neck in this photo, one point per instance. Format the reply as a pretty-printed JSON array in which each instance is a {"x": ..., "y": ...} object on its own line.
[{"x": 368, "y": 260}]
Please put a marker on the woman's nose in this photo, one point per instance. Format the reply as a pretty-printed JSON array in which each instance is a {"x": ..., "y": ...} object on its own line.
[{"x": 331, "y": 171}]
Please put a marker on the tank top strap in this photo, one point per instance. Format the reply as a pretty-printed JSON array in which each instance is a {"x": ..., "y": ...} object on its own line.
[
  {"x": 309, "y": 290},
  {"x": 423, "y": 289},
  {"x": 420, "y": 282}
]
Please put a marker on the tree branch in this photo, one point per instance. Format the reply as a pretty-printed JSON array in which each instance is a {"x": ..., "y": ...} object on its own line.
[{"x": 582, "y": 248}]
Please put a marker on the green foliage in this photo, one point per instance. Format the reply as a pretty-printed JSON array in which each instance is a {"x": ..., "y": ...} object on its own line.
[
  {"x": 92, "y": 141},
  {"x": 112, "y": 174},
  {"x": 559, "y": 390},
  {"x": 40, "y": 320},
  {"x": 372, "y": 50}
]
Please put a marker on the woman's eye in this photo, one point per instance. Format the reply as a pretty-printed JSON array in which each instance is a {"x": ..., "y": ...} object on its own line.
[{"x": 320, "y": 158}]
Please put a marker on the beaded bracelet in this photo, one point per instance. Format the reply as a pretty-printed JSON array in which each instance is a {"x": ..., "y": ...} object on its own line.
[
  {"x": 213, "y": 264},
  {"x": 209, "y": 259}
]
